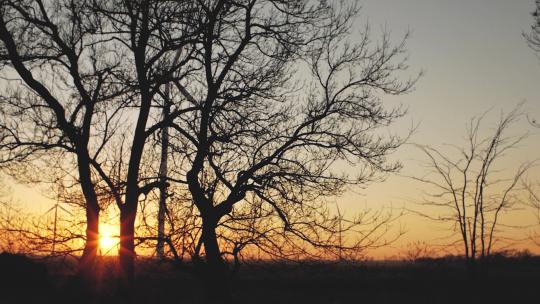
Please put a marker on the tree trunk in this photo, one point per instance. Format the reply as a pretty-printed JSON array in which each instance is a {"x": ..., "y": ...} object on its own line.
[
  {"x": 216, "y": 276},
  {"x": 88, "y": 259},
  {"x": 163, "y": 186},
  {"x": 127, "y": 246},
  {"x": 161, "y": 224}
]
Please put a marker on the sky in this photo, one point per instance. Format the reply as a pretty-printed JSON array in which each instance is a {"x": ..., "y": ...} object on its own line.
[
  {"x": 473, "y": 55},
  {"x": 474, "y": 58}
]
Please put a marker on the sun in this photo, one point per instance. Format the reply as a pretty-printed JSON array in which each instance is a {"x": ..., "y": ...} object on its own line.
[
  {"x": 107, "y": 242},
  {"x": 108, "y": 239}
]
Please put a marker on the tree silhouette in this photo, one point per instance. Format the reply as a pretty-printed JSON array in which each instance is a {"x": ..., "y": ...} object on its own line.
[
  {"x": 281, "y": 98},
  {"x": 58, "y": 98},
  {"x": 533, "y": 191},
  {"x": 44, "y": 235},
  {"x": 87, "y": 76},
  {"x": 267, "y": 99},
  {"x": 153, "y": 33},
  {"x": 470, "y": 187},
  {"x": 533, "y": 38}
]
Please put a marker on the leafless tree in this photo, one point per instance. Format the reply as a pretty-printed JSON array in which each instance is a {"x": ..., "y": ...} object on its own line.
[
  {"x": 9, "y": 241},
  {"x": 268, "y": 97},
  {"x": 56, "y": 234},
  {"x": 87, "y": 76},
  {"x": 533, "y": 190},
  {"x": 468, "y": 186},
  {"x": 533, "y": 38},
  {"x": 253, "y": 232},
  {"x": 58, "y": 81},
  {"x": 416, "y": 251},
  {"x": 281, "y": 98},
  {"x": 159, "y": 36}
]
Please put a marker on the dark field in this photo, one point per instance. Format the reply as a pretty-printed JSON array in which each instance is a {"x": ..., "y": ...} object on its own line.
[{"x": 502, "y": 280}]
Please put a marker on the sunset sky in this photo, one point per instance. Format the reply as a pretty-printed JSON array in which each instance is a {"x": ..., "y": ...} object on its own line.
[{"x": 475, "y": 58}]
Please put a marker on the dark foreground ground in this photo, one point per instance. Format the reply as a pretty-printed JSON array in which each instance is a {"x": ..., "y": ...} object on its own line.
[{"x": 503, "y": 280}]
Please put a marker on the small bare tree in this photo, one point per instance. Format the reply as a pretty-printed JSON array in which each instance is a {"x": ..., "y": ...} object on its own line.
[
  {"x": 533, "y": 190},
  {"x": 533, "y": 38},
  {"x": 469, "y": 187},
  {"x": 415, "y": 251},
  {"x": 52, "y": 234}
]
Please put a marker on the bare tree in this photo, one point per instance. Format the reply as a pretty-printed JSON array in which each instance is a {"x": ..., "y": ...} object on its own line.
[
  {"x": 253, "y": 232},
  {"x": 268, "y": 97},
  {"x": 55, "y": 233},
  {"x": 533, "y": 191},
  {"x": 415, "y": 251},
  {"x": 159, "y": 36},
  {"x": 281, "y": 98},
  {"x": 59, "y": 95},
  {"x": 533, "y": 38},
  {"x": 467, "y": 184},
  {"x": 87, "y": 76}
]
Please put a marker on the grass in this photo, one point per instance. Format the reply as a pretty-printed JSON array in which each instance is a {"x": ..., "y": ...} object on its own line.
[{"x": 500, "y": 280}]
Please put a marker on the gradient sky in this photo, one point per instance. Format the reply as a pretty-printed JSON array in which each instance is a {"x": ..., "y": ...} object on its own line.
[{"x": 475, "y": 58}]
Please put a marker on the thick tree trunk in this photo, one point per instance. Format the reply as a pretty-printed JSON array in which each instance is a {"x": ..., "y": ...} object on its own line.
[
  {"x": 216, "y": 276},
  {"x": 128, "y": 211},
  {"x": 127, "y": 245},
  {"x": 127, "y": 254},
  {"x": 88, "y": 259}
]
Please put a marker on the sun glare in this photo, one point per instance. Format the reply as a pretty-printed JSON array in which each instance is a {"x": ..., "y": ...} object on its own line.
[{"x": 108, "y": 240}]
